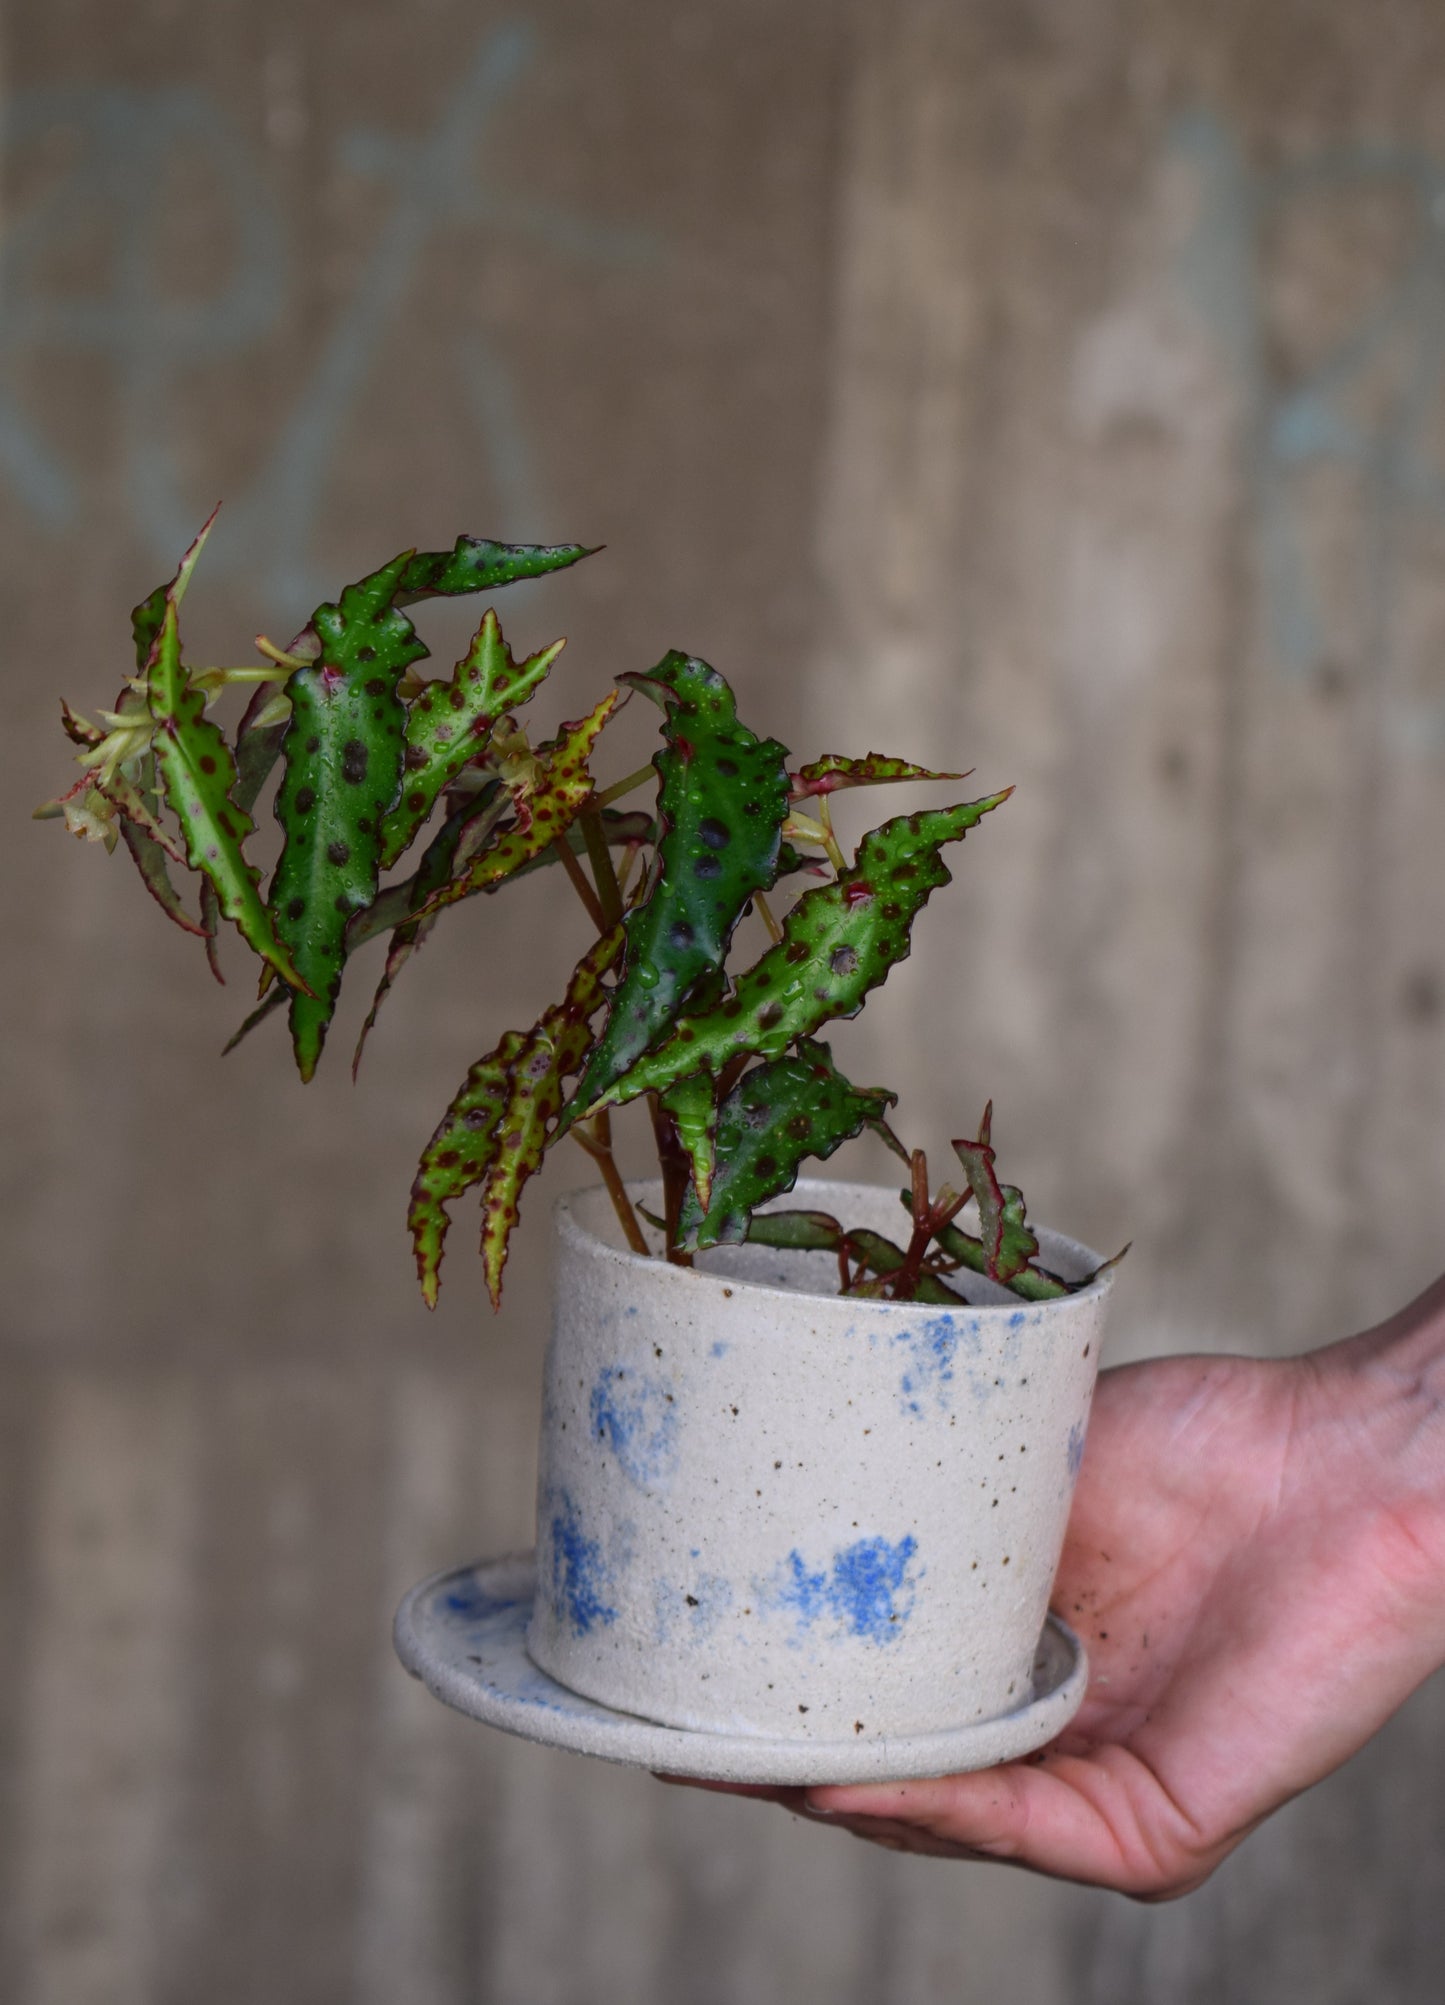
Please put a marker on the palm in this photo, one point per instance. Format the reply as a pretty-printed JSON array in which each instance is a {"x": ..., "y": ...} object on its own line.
[{"x": 1249, "y": 1624}]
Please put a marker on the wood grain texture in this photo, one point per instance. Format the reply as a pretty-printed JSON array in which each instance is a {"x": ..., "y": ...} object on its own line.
[{"x": 1047, "y": 388}]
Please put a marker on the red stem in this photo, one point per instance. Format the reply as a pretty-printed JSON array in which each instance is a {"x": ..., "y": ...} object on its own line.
[
  {"x": 905, "y": 1280},
  {"x": 673, "y": 1162},
  {"x": 599, "y": 1146}
]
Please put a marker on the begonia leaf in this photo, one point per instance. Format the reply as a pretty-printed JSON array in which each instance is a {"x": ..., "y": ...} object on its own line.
[
  {"x": 557, "y": 1046},
  {"x": 497, "y": 1127},
  {"x": 196, "y": 774},
  {"x": 833, "y": 772},
  {"x": 343, "y": 751},
  {"x": 477, "y": 564},
  {"x": 439, "y": 859},
  {"x": 777, "y": 1115},
  {"x": 839, "y": 942},
  {"x": 819, "y": 1232},
  {"x": 1008, "y": 1244},
  {"x": 693, "y": 1105},
  {"x": 722, "y": 802},
  {"x": 459, "y": 1154},
  {"x": 563, "y": 789},
  {"x": 449, "y": 723}
]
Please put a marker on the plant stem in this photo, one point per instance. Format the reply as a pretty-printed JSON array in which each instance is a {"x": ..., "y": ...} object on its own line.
[
  {"x": 279, "y": 655},
  {"x": 676, "y": 1169},
  {"x": 599, "y": 1146},
  {"x": 609, "y": 891},
  {"x": 731, "y": 1073},
  {"x": 579, "y": 883},
  {"x": 621, "y": 787},
  {"x": 830, "y": 841},
  {"x": 765, "y": 913},
  {"x": 905, "y": 1281},
  {"x": 630, "y": 856}
]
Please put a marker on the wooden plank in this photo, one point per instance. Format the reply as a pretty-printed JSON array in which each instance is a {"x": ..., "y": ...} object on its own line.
[
  {"x": 287, "y": 1593},
  {"x": 106, "y": 1693},
  {"x": 21, "y": 1447},
  {"x": 417, "y": 1800}
]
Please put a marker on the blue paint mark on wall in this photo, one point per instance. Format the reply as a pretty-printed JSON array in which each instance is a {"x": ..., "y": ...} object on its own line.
[
  {"x": 127, "y": 146},
  {"x": 636, "y": 1417},
  {"x": 580, "y": 1575},
  {"x": 866, "y": 1590},
  {"x": 1318, "y": 415}
]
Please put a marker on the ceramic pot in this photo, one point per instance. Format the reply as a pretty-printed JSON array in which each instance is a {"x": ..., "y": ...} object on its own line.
[{"x": 767, "y": 1509}]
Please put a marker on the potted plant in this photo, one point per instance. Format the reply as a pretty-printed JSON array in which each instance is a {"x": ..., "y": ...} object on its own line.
[{"x": 806, "y": 1466}]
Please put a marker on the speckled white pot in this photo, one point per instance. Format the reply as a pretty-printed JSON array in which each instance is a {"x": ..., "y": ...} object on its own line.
[{"x": 768, "y": 1510}]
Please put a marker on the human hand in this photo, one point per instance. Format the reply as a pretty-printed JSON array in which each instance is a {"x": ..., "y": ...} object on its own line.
[{"x": 1256, "y": 1561}]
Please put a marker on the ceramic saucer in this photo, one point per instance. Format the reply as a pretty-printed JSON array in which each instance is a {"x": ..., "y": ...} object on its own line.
[{"x": 462, "y": 1633}]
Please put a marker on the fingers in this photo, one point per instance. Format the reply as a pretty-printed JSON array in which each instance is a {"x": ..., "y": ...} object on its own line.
[
  {"x": 988, "y": 1813},
  {"x": 1102, "y": 1819},
  {"x": 891, "y": 1835},
  {"x": 767, "y": 1792},
  {"x": 1071, "y": 1818}
]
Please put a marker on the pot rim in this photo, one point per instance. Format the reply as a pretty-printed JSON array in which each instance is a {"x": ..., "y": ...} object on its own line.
[{"x": 1054, "y": 1246}]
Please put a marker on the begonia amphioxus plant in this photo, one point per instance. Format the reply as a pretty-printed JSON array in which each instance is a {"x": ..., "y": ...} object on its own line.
[{"x": 374, "y": 760}]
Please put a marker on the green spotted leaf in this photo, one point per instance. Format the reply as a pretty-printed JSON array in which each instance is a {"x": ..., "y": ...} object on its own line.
[
  {"x": 153, "y": 851},
  {"x": 148, "y": 842},
  {"x": 476, "y": 564},
  {"x": 345, "y": 753},
  {"x": 1008, "y": 1245},
  {"x": 839, "y": 942},
  {"x": 832, "y": 772},
  {"x": 273, "y": 1000},
  {"x": 449, "y": 723},
  {"x": 139, "y": 808},
  {"x": 148, "y": 617},
  {"x": 149, "y": 857},
  {"x": 439, "y": 860},
  {"x": 196, "y": 772},
  {"x": 79, "y": 730},
  {"x": 562, "y": 788},
  {"x": 556, "y": 1047},
  {"x": 797, "y": 1231},
  {"x": 1034, "y": 1284},
  {"x": 497, "y": 1128},
  {"x": 459, "y": 1155},
  {"x": 819, "y": 1232},
  {"x": 721, "y": 806},
  {"x": 257, "y": 750},
  {"x": 473, "y": 564},
  {"x": 693, "y": 1105},
  {"x": 343, "y": 750},
  {"x": 393, "y": 906},
  {"x": 210, "y": 927},
  {"x": 776, "y": 1116},
  {"x": 258, "y": 747}
]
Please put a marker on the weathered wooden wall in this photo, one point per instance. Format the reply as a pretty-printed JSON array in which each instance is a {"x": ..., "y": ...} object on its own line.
[{"x": 1053, "y": 388}]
